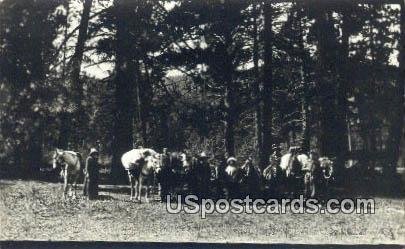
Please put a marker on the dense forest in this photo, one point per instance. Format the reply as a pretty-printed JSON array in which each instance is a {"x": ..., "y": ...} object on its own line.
[{"x": 228, "y": 77}]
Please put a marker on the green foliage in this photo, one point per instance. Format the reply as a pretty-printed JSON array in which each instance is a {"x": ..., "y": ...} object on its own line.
[
  {"x": 27, "y": 32},
  {"x": 182, "y": 73}
]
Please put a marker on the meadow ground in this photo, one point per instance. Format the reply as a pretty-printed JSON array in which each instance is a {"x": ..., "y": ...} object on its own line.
[{"x": 34, "y": 210}]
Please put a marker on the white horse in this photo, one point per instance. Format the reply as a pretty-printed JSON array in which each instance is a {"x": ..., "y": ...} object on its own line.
[
  {"x": 296, "y": 167},
  {"x": 133, "y": 161},
  {"x": 72, "y": 168},
  {"x": 287, "y": 163}
]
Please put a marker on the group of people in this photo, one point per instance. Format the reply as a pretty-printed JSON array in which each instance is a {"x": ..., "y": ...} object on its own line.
[
  {"x": 227, "y": 177},
  {"x": 176, "y": 171}
]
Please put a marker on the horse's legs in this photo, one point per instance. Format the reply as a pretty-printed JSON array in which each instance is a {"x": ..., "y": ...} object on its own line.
[
  {"x": 85, "y": 180},
  {"x": 139, "y": 189},
  {"x": 131, "y": 185},
  {"x": 136, "y": 185},
  {"x": 160, "y": 190},
  {"x": 147, "y": 192},
  {"x": 75, "y": 185},
  {"x": 65, "y": 185}
]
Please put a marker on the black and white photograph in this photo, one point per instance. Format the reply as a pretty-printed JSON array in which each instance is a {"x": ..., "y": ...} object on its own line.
[{"x": 202, "y": 123}]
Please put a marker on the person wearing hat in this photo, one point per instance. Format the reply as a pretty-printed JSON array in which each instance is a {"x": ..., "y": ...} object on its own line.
[
  {"x": 90, "y": 188},
  {"x": 252, "y": 176},
  {"x": 203, "y": 171},
  {"x": 231, "y": 161}
]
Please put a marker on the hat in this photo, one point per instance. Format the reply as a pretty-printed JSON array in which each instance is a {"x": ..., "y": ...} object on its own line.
[
  {"x": 231, "y": 159},
  {"x": 93, "y": 150},
  {"x": 203, "y": 154}
]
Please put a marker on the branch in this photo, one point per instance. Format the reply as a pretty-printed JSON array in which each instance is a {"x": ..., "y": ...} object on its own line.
[{"x": 69, "y": 35}]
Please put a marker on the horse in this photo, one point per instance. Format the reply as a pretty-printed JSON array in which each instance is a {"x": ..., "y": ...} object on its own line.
[
  {"x": 133, "y": 161},
  {"x": 295, "y": 171},
  {"x": 72, "y": 168},
  {"x": 174, "y": 166},
  {"x": 147, "y": 174},
  {"x": 318, "y": 174}
]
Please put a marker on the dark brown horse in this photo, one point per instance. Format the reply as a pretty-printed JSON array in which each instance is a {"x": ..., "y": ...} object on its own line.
[
  {"x": 172, "y": 175},
  {"x": 71, "y": 166}
]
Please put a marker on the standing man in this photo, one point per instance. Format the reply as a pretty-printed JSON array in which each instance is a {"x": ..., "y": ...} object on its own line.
[
  {"x": 91, "y": 175},
  {"x": 220, "y": 174},
  {"x": 165, "y": 175},
  {"x": 204, "y": 172}
]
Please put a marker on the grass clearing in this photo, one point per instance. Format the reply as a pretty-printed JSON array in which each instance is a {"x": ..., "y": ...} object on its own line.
[{"x": 34, "y": 210}]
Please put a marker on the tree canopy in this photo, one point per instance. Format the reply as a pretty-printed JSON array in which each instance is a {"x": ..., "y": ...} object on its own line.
[{"x": 228, "y": 77}]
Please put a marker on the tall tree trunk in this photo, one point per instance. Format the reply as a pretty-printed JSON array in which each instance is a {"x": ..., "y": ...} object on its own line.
[
  {"x": 65, "y": 34},
  {"x": 124, "y": 91},
  {"x": 342, "y": 107},
  {"x": 363, "y": 115},
  {"x": 324, "y": 77},
  {"x": 256, "y": 89},
  {"x": 267, "y": 100},
  {"x": 64, "y": 130},
  {"x": 32, "y": 156},
  {"x": 164, "y": 126},
  {"x": 76, "y": 68},
  {"x": 306, "y": 124},
  {"x": 143, "y": 93},
  {"x": 34, "y": 153},
  {"x": 231, "y": 89},
  {"x": 230, "y": 110},
  {"x": 371, "y": 118},
  {"x": 147, "y": 99},
  {"x": 140, "y": 126},
  {"x": 397, "y": 121}
]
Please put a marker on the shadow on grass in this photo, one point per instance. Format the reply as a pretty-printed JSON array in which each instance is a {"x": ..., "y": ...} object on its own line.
[
  {"x": 115, "y": 189},
  {"x": 103, "y": 197},
  {"x": 4, "y": 184}
]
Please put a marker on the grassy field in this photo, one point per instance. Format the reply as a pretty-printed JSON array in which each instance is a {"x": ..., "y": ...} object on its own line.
[{"x": 33, "y": 210}]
